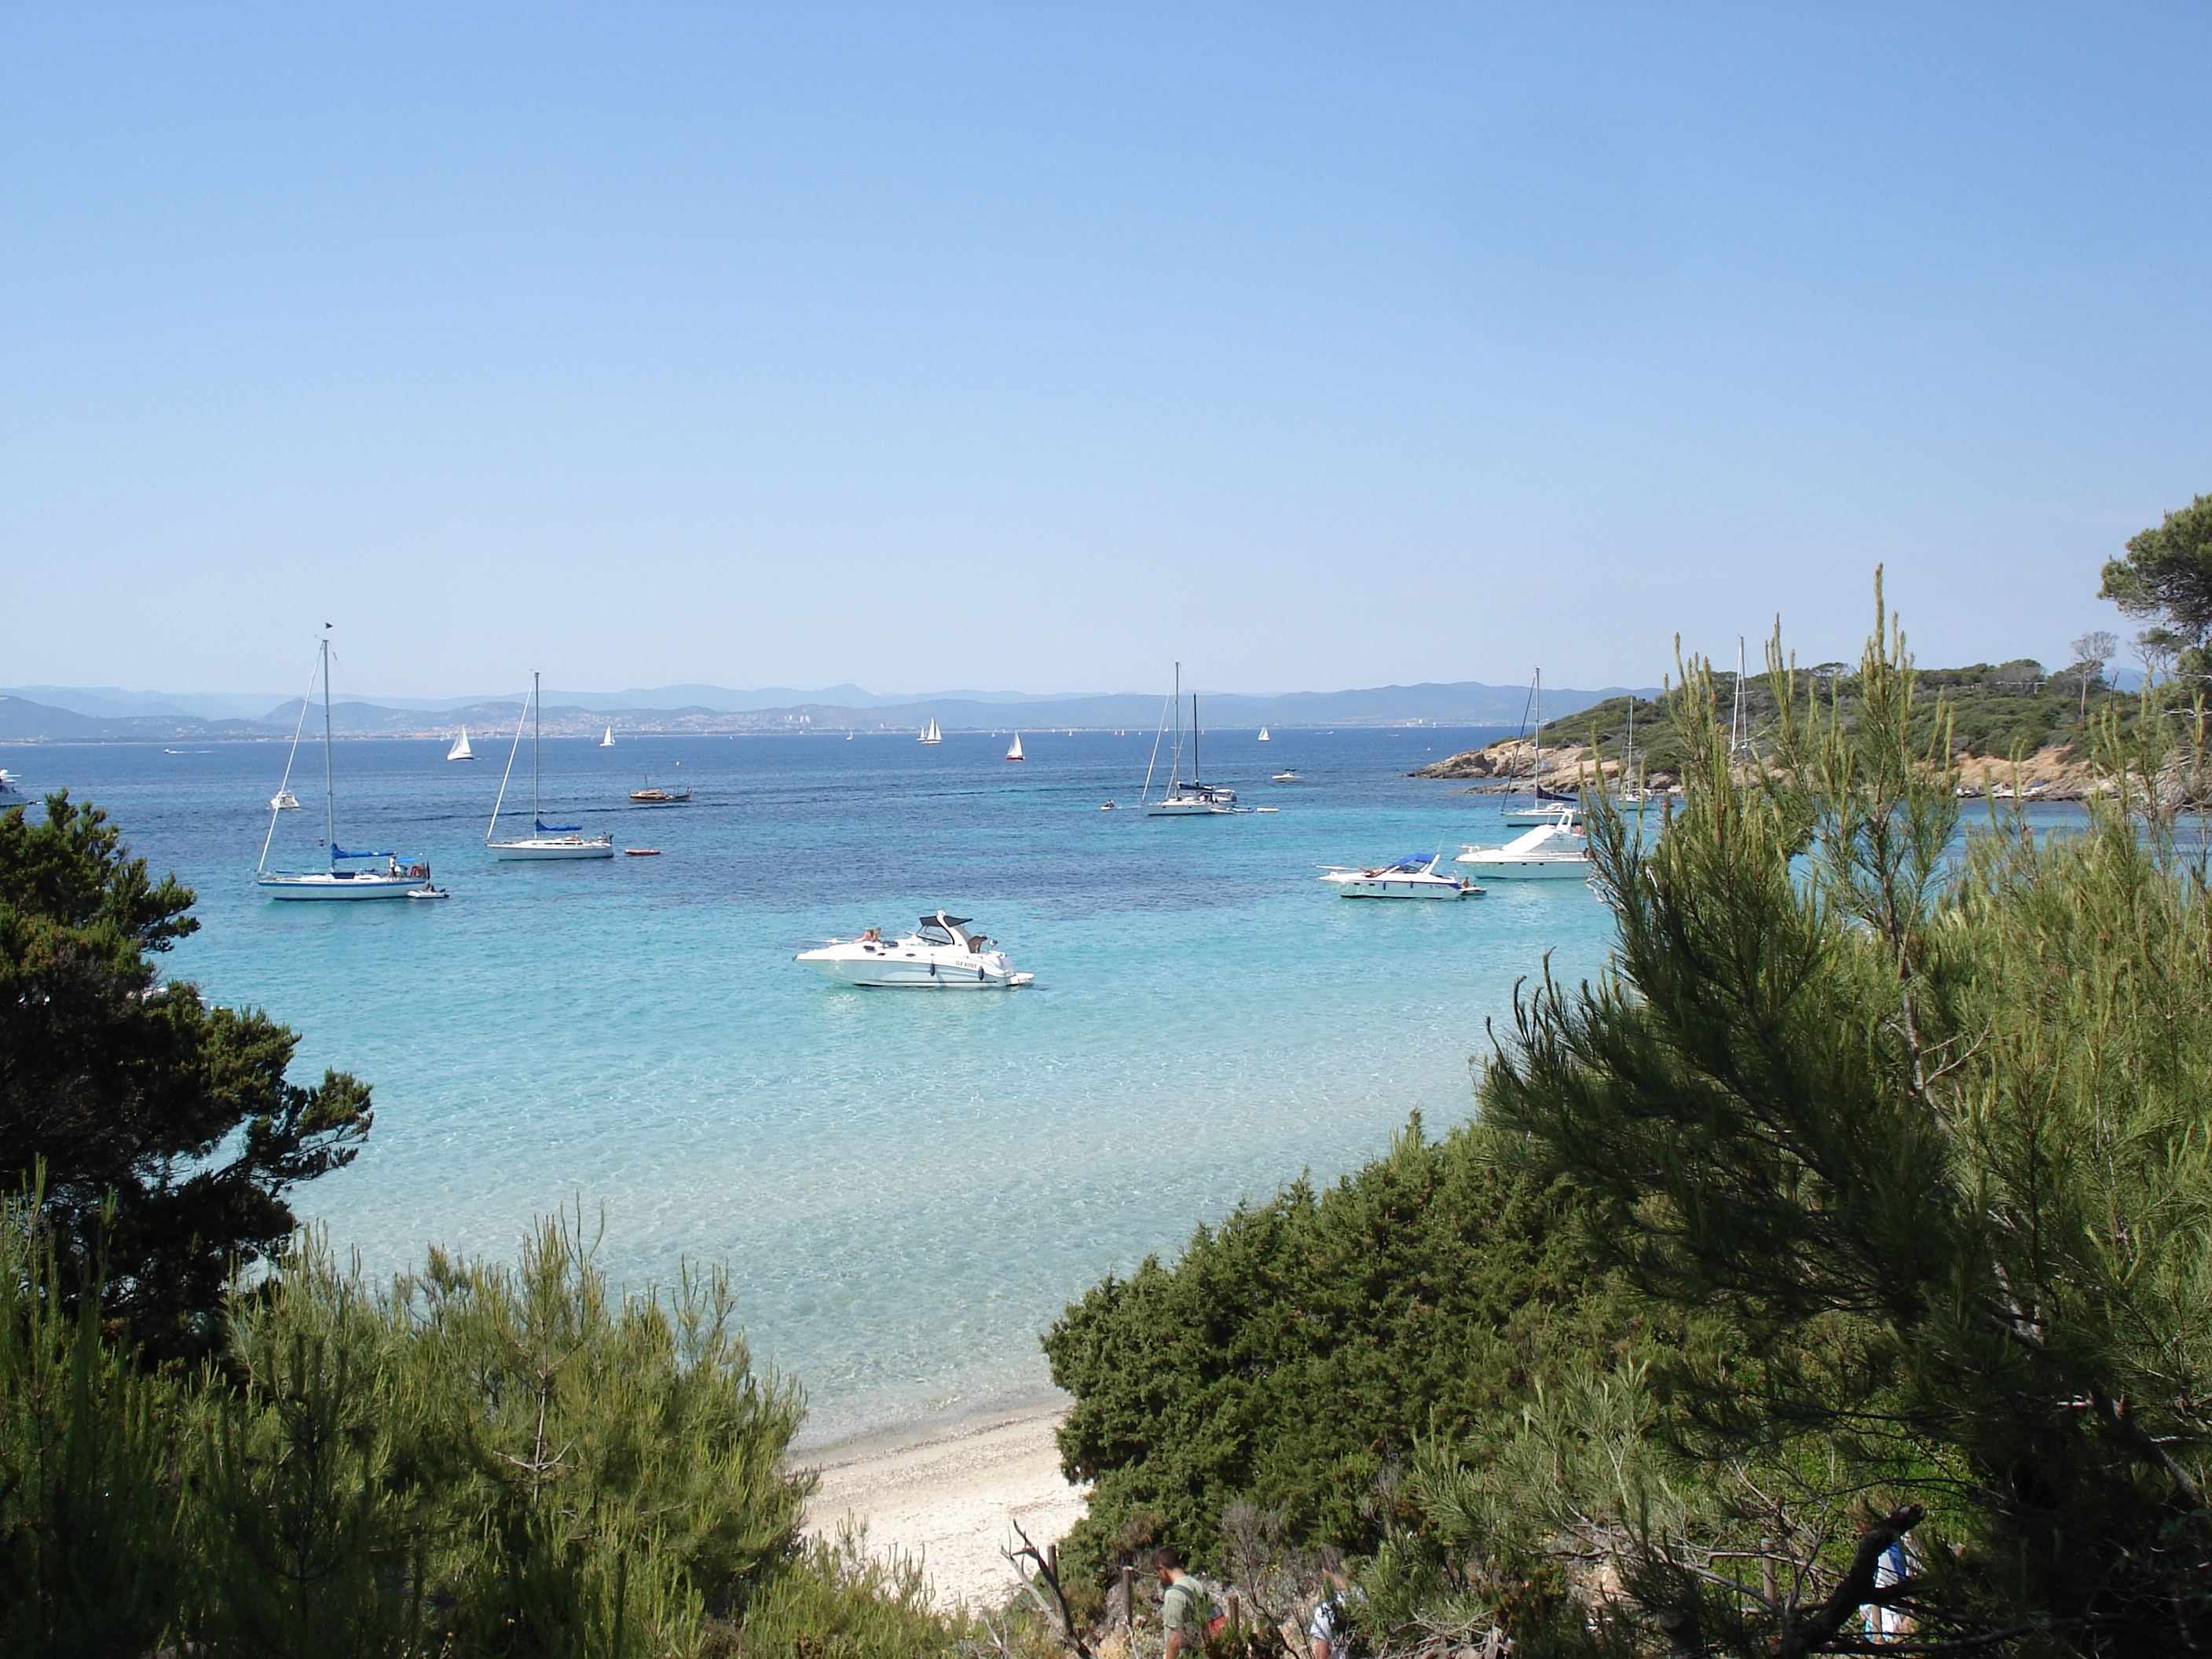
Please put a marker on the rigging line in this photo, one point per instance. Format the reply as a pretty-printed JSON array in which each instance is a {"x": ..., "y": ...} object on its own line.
[
  {"x": 492, "y": 829},
  {"x": 306, "y": 697},
  {"x": 1158, "y": 732}
]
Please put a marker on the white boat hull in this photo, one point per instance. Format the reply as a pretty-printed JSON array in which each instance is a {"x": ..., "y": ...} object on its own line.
[
  {"x": 1563, "y": 869},
  {"x": 1402, "y": 887},
  {"x": 554, "y": 847},
  {"x": 327, "y": 886},
  {"x": 893, "y": 973}
]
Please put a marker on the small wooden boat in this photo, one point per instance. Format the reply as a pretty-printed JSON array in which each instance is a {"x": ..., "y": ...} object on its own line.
[{"x": 641, "y": 852}]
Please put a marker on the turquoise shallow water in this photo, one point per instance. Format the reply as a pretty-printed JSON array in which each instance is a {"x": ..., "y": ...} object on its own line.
[{"x": 907, "y": 1185}]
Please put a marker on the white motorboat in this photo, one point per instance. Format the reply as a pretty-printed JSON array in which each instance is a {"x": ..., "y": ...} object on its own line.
[
  {"x": 1015, "y": 753},
  {"x": 1288, "y": 774},
  {"x": 546, "y": 842},
  {"x": 930, "y": 734},
  {"x": 942, "y": 954},
  {"x": 344, "y": 875},
  {"x": 1414, "y": 877},
  {"x": 460, "y": 751},
  {"x": 1551, "y": 852},
  {"x": 1191, "y": 800},
  {"x": 8, "y": 782}
]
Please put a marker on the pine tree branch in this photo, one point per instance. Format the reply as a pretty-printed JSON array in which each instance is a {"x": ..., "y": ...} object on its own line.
[{"x": 1818, "y": 1628}]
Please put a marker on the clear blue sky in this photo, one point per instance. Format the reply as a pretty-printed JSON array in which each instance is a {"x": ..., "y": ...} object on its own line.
[{"x": 1035, "y": 345}]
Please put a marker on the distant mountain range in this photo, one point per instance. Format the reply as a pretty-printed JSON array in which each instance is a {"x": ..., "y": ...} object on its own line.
[{"x": 66, "y": 715}]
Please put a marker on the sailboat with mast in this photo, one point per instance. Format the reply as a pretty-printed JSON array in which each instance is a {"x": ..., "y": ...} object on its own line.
[
  {"x": 1015, "y": 752},
  {"x": 930, "y": 734},
  {"x": 460, "y": 751},
  {"x": 1546, "y": 805},
  {"x": 546, "y": 840},
  {"x": 1184, "y": 799},
  {"x": 346, "y": 875}
]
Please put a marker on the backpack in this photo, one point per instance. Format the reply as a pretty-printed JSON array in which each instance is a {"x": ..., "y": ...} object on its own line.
[{"x": 1212, "y": 1611}]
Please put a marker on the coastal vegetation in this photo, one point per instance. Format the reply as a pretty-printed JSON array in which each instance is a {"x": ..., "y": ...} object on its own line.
[
  {"x": 1876, "y": 1220},
  {"x": 215, "y": 1439},
  {"x": 1995, "y": 712}
]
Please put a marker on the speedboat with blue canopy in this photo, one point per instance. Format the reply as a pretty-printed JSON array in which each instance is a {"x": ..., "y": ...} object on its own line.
[
  {"x": 1414, "y": 877},
  {"x": 347, "y": 875},
  {"x": 546, "y": 840}
]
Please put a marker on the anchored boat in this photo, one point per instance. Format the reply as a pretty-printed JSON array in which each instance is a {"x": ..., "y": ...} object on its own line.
[
  {"x": 1414, "y": 877},
  {"x": 547, "y": 841},
  {"x": 346, "y": 875},
  {"x": 942, "y": 954},
  {"x": 1552, "y": 852}
]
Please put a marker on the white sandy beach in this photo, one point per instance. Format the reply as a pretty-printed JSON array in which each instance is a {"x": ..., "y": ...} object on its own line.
[{"x": 949, "y": 1494}]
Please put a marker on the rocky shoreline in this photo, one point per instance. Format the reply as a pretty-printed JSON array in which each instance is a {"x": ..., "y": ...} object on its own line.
[{"x": 2055, "y": 773}]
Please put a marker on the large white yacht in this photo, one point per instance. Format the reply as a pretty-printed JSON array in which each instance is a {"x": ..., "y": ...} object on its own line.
[
  {"x": 1414, "y": 877},
  {"x": 1551, "y": 852},
  {"x": 942, "y": 954}
]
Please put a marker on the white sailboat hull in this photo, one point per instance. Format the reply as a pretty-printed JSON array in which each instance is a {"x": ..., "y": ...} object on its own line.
[
  {"x": 542, "y": 848},
  {"x": 1186, "y": 809},
  {"x": 337, "y": 884}
]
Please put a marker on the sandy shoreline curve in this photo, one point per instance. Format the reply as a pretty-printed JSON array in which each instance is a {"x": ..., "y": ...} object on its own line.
[{"x": 947, "y": 1492}]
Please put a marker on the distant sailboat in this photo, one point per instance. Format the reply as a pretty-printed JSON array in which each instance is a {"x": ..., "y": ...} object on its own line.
[
  {"x": 1264, "y": 738},
  {"x": 1015, "y": 753},
  {"x": 930, "y": 734},
  {"x": 608, "y": 741},
  {"x": 460, "y": 751}
]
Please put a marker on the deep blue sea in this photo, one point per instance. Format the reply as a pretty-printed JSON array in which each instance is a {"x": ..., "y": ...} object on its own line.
[{"x": 907, "y": 1185}]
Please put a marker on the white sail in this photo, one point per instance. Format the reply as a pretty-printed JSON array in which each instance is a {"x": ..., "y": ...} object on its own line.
[
  {"x": 608, "y": 741},
  {"x": 1264, "y": 738},
  {"x": 460, "y": 751},
  {"x": 930, "y": 734},
  {"x": 1015, "y": 753}
]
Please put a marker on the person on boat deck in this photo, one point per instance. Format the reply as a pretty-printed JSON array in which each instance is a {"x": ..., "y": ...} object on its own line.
[{"x": 872, "y": 936}]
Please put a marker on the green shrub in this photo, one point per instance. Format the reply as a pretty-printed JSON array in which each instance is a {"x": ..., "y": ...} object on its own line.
[
  {"x": 477, "y": 1462},
  {"x": 1291, "y": 1357}
]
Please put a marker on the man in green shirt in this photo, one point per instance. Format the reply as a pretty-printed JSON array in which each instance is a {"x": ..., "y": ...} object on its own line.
[{"x": 1188, "y": 1603}]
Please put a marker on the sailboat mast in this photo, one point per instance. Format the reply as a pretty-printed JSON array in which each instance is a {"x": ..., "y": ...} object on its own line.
[
  {"x": 1735, "y": 712},
  {"x": 1536, "y": 764},
  {"x": 1197, "y": 772},
  {"x": 329, "y": 789},
  {"x": 1175, "y": 783},
  {"x": 537, "y": 730}
]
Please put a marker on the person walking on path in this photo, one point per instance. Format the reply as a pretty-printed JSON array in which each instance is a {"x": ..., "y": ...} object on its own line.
[
  {"x": 1188, "y": 1603},
  {"x": 1330, "y": 1633}
]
